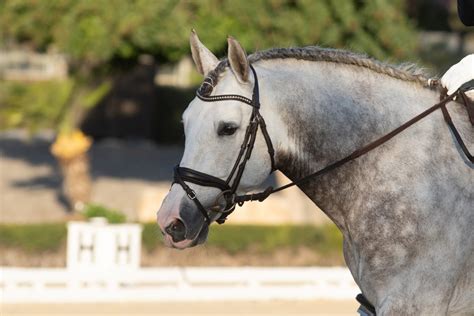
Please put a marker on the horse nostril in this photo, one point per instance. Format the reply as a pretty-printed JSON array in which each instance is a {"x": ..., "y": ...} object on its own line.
[{"x": 176, "y": 230}]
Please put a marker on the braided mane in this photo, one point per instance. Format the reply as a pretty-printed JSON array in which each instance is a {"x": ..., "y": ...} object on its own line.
[{"x": 406, "y": 72}]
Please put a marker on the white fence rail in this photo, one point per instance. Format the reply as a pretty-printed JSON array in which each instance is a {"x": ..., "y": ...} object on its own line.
[{"x": 175, "y": 284}]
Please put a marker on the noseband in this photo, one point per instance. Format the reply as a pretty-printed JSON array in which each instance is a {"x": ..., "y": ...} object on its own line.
[{"x": 229, "y": 186}]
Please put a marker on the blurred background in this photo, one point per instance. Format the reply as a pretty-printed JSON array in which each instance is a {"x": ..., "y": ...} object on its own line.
[{"x": 91, "y": 96}]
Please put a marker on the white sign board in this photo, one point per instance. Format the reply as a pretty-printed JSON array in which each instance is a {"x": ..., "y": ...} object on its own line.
[{"x": 98, "y": 245}]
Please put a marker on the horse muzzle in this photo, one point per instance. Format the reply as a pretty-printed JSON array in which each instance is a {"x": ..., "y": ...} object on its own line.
[{"x": 181, "y": 224}]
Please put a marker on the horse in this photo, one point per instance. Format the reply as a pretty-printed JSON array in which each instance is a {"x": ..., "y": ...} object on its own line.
[{"x": 405, "y": 209}]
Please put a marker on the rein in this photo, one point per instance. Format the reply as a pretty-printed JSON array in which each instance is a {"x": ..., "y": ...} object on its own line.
[{"x": 228, "y": 194}]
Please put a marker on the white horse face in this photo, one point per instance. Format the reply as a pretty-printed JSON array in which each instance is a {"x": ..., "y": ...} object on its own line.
[{"x": 214, "y": 134}]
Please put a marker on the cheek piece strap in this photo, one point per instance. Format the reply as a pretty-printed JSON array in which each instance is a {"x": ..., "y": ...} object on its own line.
[{"x": 226, "y": 200}]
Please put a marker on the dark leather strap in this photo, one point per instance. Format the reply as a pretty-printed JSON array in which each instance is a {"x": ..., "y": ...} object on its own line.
[
  {"x": 365, "y": 302},
  {"x": 199, "y": 178},
  {"x": 453, "y": 128},
  {"x": 469, "y": 104},
  {"x": 190, "y": 193},
  {"x": 266, "y": 136}
]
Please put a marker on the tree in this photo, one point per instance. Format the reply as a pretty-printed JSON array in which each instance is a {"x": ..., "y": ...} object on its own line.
[
  {"x": 98, "y": 32},
  {"x": 100, "y": 37}
]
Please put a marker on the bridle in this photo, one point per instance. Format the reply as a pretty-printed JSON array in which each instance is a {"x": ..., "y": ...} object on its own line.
[{"x": 228, "y": 187}]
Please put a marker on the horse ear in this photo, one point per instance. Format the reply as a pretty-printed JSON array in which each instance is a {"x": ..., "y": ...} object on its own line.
[
  {"x": 203, "y": 58},
  {"x": 238, "y": 60}
]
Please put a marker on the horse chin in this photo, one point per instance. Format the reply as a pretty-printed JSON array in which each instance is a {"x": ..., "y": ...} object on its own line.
[{"x": 200, "y": 238}]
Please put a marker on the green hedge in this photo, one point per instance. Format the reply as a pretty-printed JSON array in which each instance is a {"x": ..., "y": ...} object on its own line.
[
  {"x": 101, "y": 31},
  {"x": 38, "y": 238},
  {"x": 264, "y": 239},
  {"x": 33, "y": 238},
  {"x": 96, "y": 210}
]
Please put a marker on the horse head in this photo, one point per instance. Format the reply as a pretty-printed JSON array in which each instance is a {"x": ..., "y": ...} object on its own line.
[{"x": 215, "y": 133}]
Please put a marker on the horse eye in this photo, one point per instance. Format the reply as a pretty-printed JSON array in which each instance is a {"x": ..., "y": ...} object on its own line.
[{"x": 226, "y": 129}]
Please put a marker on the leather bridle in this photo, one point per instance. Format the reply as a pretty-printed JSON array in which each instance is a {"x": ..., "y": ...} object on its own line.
[{"x": 228, "y": 187}]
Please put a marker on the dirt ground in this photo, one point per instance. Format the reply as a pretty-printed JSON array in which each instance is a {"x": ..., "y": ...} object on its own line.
[{"x": 274, "y": 308}]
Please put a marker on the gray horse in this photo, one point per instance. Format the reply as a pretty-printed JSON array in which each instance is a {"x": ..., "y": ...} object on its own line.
[{"x": 405, "y": 209}]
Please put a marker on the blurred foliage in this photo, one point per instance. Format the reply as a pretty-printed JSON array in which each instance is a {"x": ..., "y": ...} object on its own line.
[
  {"x": 47, "y": 104},
  {"x": 258, "y": 238},
  {"x": 37, "y": 238},
  {"x": 235, "y": 238},
  {"x": 152, "y": 238},
  {"x": 96, "y": 32},
  {"x": 112, "y": 216},
  {"x": 102, "y": 38},
  {"x": 97, "y": 94},
  {"x": 33, "y": 238},
  {"x": 33, "y": 105}
]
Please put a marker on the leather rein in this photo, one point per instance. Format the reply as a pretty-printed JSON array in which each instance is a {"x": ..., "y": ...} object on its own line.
[{"x": 228, "y": 198}]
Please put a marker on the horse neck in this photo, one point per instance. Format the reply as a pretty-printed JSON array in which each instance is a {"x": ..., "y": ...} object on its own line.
[{"x": 324, "y": 111}]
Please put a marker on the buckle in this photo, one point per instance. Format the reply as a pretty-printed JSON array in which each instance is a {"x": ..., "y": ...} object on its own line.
[
  {"x": 223, "y": 197},
  {"x": 191, "y": 194}
]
